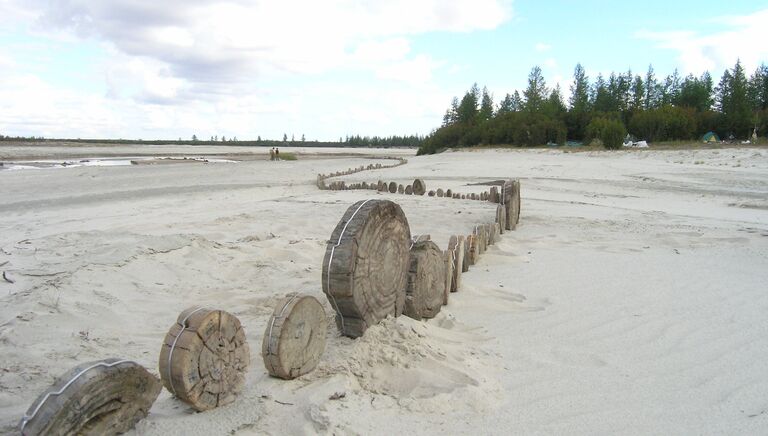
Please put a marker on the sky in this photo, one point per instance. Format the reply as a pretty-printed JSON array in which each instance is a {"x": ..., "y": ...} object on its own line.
[{"x": 168, "y": 69}]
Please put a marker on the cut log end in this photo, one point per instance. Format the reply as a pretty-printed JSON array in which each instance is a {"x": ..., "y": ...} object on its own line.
[
  {"x": 294, "y": 339},
  {"x": 204, "y": 358},
  {"x": 426, "y": 281},
  {"x": 102, "y": 397}
]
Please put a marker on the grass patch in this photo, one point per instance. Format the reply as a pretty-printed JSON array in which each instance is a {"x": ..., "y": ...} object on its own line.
[{"x": 288, "y": 156}]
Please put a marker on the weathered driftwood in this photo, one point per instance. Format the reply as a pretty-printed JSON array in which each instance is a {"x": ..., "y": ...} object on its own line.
[
  {"x": 473, "y": 252},
  {"x": 426, "y": 281},
  {"x": 419, "y": 187},
  {"x": 392, "y": 187},
  {"x": 365, "y": 266},
  {"x": 294, "y": 339},
  {"x": 495, "y": 232},
  {"x": 448, "y": 275},
  {"x": 494, "y": 194},
  {"x": 511, "y": 198},
  {"x": 408, "y": 190},
  {"x": 106, "y": 397},
  {"x": 501, "y": 217},
  {"x": 456, "y": 247},
  {"x": 400, "y": 189},
  {"x": 440, "y": 192},
  {"x": 204, "y": 358}
]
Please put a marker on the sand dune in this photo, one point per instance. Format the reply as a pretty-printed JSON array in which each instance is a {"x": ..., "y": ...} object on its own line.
[{"x": 631, "y": 299}]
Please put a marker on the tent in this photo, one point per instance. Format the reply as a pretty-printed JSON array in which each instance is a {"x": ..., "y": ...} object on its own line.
[{"x": 710, "y": 137}]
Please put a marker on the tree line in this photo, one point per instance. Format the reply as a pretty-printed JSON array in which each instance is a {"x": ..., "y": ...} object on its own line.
[{"x": 607, "y": 108}]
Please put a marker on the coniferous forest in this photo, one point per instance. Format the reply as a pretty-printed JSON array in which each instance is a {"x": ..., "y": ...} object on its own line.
[{"x": 646, "y": 106}]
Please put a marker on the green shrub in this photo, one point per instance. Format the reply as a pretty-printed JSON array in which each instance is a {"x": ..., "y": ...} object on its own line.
[{"x": 610, "y": 132}]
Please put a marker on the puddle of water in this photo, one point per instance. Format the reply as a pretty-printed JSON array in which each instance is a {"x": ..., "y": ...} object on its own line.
[{"x": 100, "y": 162}]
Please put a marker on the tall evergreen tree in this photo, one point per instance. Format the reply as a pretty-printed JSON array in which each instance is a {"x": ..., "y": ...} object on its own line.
[
  {"x": 651, "y": 89},
  {"x": 579, "y": 100},
  {"x": 452, "y": 114},
  {"x": 637, "y": 99},
  {"x": 733, "y": 102},
  {"x": 486, "y": 106},
  {"x": 536, "y": 92},
  {"x": 467, "y": 110},
  {"x": 506, "y": 106}
]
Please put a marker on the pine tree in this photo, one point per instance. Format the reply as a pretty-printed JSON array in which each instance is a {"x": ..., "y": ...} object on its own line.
[
  {"x": 506, "y": 106},
  {"x": 486, "y": 106},
  {"x": 637, "y": 99},
  {"x": 536, "y": 92},
  {"x": 452, "y": 114},
  {"x": 517, "y": 102},
  {"x": 651, "y": 89},
  {"x": 579, "y": 100},
  {"x": 467, "y": 110}
]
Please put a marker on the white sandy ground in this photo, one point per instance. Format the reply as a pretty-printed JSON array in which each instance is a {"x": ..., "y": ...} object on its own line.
[{"x": 632, "y": 299}]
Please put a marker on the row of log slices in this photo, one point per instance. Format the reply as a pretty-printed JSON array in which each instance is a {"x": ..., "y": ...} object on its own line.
[
  {"x": 366, "y": 264},
  {"x": 204, "y": 358},
  {"x": 322, "y": 177},
  {"x": 95, "y": 398},
  {"x": 294, "y": 339},
  {"x": 425, "y": 289}
]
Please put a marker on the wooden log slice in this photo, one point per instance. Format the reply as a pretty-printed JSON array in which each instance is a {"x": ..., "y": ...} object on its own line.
[
  {"x": 456, "y": 247},
  {"x": 507, "y": 192},
  {"x": 440, "y": 192},
  {"x": 481, "y": 239},
  {"x": 204, "y": 358},
  {"x": 472, "y": 249},
  {"x": 426, "y": 281},
  {"x": 517, "y": 202},
  {"x": 501, "y": 216},
  {"x": 365, "y": 266},
  {"x": 448, "y": 270},
  {"x": 496, "y": 232},
  {"x": 400, "y": 189},
  {"x": 466, "y": 264},
  {"x": 494, "y": 195},
  {"x": 419, "y": 187},
  {"x": 294, "y": 339},
  {"x": 408, "y": 190},
  {"x": 463, "y": 196},
  {"x": 381, "y": 186},
  {"x": 488, "y": 233},
  {"x": 105, "y": 397},
  {"x": 392, "y": 187},
  {"x": 448, "y": 193},
  {"x": 431, "y": 193}
]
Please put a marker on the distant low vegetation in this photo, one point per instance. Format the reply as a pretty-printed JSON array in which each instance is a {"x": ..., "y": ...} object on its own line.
[
  {"x": 349, "y": 141},
  {"x": 675, "y": 108}
]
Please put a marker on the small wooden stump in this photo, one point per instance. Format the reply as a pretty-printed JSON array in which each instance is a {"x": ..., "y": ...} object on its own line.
[
  {"x": 501, "y": 217},
  {"x": 426, "y": 281},
  {"x": 456, "y": 247},
  {"x": 400, "y": 189},
  {"x": 448, "y": 256},
  {"x": 419, "y": 187},
  {"x": 474, "y": 250},
  {"x": 294, "y": 339},
  {"x": 95, "y": 398},
  {"x": 204, "y": 358},
  {"x": 365, "y": 267},
  {"x": 440, "y": 192},
  {"x": 392, "y": 187},
  {"x": 408, "y": 190}
]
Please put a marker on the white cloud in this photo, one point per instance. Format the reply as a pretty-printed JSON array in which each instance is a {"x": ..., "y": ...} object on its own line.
[
  {"x": 240, "y": 67},
  {"x": 720, "y": 43},
  {"x": 540, "y": 47}
]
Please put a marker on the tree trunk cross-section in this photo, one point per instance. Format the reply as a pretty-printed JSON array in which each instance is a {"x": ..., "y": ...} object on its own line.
[
  {"x": 419, "y": 187},
  {"x": 105, "y": 397},
  {"x": 501, "y": 217},
  {"x": 456, "y": 247},
  {"x": 511, "y": 197},
  {"x": 294, "y": 339},
  {"x": 448, "y": 270},
  {"x": 426, "y": 281},
  {"x": 366, "y": 264},
  {"x": 392, "y": 187},
  {"x": 204, "y": 358}
]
